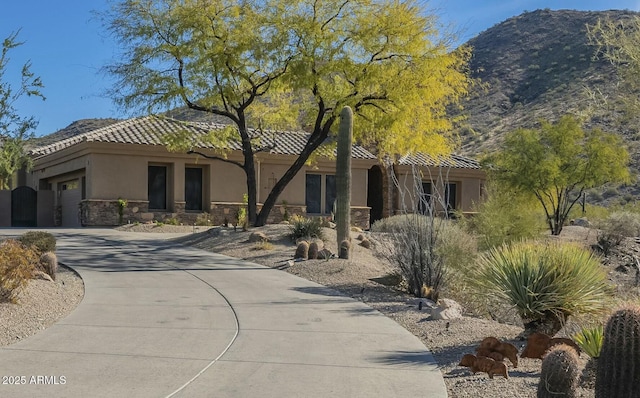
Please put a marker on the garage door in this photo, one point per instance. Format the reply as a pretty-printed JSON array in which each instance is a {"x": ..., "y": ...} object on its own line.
[{"x": 70, "y": 198}]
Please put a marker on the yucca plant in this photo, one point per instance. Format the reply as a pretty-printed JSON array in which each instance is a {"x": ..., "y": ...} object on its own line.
[
  {"x": 305, "y": 228},
  {"x": 590, "y": 340},
  {"x": 545, "y": 283}
]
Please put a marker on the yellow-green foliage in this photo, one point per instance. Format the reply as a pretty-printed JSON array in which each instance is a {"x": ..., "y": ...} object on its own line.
[
  {"x": 40, "y": 241},
  {"x": 545, "y": 283},
  {"x": 590, "y": 340},
  {"x": 505, "y": 216},
  {"x": 17, "y": 265},
  {"x": 556, "y": 162}
]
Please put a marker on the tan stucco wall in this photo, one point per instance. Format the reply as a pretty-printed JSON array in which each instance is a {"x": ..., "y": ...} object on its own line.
[
  {"x": 228, "y": 182},
  {"x": 294, "y": 193},
  {"x": 117, "y": 176},
  {"x": 468, "y": 182}
]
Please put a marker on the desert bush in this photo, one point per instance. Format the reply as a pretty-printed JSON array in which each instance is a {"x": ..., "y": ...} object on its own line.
[
  {"x": 263, "y": 245},
  {"x": 545, "y": 283},
  {"x": 203, "y": 219},
  {"x": 17, "y": 265},
  {"x": 409, "y": 244},
  {"x": 616, "y": 227},
  {"x": 40, "y": 241},
  {"x": 458, "y": 249},
  {"x": 172, "y": 221},
  {"x": 504, "y": 216},
  {"x": 391, "y": 224},
  {"x": 590, "y": 340},
  {"x": 305, "y": 228}
]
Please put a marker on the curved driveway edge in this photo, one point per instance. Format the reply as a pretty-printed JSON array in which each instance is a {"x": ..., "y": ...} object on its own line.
[{"x": 162, "y": 320}]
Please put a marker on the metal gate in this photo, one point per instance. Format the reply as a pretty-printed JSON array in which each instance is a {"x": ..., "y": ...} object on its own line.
[{"x": 24, "y": 207}]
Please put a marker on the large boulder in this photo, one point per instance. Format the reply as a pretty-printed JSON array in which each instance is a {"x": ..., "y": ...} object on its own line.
[{"x": 446, "y": 309}]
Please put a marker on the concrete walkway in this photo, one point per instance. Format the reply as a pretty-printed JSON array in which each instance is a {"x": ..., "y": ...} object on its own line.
[{"x": 162, "y": 320}]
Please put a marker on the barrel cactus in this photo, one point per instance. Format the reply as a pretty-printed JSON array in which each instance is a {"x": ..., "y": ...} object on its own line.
[
  {"x": 302, "y": 251},
  {"x": 313, "y": 250},
  {"x": 343, "y": 178},
  {"x": 560, "y": 373},
  {"x": 618, "y": 370}
]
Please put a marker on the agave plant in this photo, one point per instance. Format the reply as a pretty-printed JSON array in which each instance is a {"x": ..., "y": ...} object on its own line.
[
  {"x": 590, "y": 340},
  {"x": 545, "y": 283}
]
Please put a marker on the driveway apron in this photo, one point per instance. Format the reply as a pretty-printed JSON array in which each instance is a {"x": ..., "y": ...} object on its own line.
[{"x": 162, "y": 320}]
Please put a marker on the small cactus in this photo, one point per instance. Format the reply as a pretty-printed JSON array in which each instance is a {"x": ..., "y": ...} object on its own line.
[
  {"x": 313, "y": 250},
  {"x": 345, "y": 248},
  {"x": 49, "y": 262},
  {"x": 302, "y": 251},
  {"x": 618, "y": 369},
  {"x": 560, "y": 373},
  {"x": 366, "y": 243}
]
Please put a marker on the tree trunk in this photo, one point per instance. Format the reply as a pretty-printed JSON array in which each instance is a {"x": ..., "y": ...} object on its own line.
[
  {"x": 316, "y": 139},
  {"x": 250, "y": 171},
  {"x": 249, "y": 168}
]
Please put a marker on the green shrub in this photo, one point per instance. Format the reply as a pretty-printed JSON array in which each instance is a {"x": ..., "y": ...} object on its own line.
[
  {"x": 391, "y": 224},
  {"x": 545, "y": 283},
  {"x": 590, "y": 340},
  {"x": 204, "y": 219},
  {"x": 305, "y": 228},
  {"x": 616, "y": 227},
  {"x": 458, "y": 250},
  {"x": 504, "y": 216},
  {"x": 172, "y": 221},
  {"x": 40, "y": 241},
  {"x": 17, "y": 265}
]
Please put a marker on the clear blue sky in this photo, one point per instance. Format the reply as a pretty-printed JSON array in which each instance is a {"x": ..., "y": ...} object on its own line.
[{"x": 67, "y": 46}]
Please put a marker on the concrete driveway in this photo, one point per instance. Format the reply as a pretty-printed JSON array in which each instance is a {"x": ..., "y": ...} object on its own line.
[{"x": 163, "y": 320}]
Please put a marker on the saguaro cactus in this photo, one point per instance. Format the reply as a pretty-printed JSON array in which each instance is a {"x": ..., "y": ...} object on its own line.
[
  {"x": 618, "y": 370},
  {"x": 560, "y": 373},
  {"x": 343, "y": 179}
]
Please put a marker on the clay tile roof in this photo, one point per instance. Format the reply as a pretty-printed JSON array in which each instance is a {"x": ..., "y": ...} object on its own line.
[
  {"x": 149, "y": 130},
  {"x": 453, "y": 161}
]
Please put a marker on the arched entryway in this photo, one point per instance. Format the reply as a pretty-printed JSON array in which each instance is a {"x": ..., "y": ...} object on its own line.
[{"x": 374, "y": 193}]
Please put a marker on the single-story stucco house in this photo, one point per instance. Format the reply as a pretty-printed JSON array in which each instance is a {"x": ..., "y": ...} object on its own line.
[{"x": 79, "y": 180}]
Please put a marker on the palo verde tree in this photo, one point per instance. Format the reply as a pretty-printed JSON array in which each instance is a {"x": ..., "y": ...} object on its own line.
[
  {"x": 557, "y": 162},
  {"x": 279, "y": 64},
  {"x": 15, "y": 130}
]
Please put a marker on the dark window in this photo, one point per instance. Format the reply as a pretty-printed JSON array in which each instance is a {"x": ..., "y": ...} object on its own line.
[
  {"x": 193, "y": 188},
  {"x": 330, "y": 193},
  {"x": 450, "y": 196},
  {"x": 313, "y": 193},
  {"x": 425, "y": 198},
  {"x": 157, "y": 188}
]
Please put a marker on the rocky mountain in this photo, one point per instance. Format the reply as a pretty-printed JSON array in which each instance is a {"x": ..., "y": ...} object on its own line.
[{"x": 540, "y": 65}]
